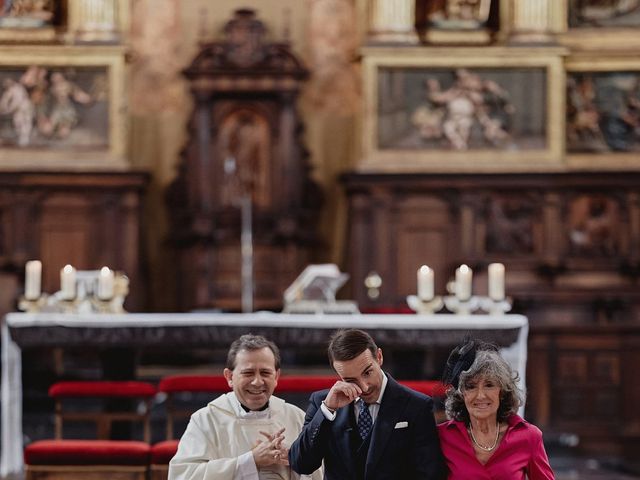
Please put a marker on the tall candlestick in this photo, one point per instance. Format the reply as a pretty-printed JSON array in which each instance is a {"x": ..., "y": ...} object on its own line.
[
  {"x": 496, "y": 282},
  {"x": 425, "y": 283},
  {"x": 105, "y": 284},
  {"x": 32, "y": 279},
  {"x": 68, "y": 282},
  {"x": 464, "y": 276}
]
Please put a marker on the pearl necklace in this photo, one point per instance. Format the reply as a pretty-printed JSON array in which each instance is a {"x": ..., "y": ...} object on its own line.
[{"x": 482, "y": 447}]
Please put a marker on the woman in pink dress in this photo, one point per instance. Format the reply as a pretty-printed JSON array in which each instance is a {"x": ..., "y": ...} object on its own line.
[{"x": 484, "y": 438}]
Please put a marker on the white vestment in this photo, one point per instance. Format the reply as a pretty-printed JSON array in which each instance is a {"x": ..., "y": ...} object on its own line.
[{"x": 216, "y": 436}]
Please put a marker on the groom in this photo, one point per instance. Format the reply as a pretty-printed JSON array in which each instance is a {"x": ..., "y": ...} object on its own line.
[{"x": 367, "y": 426}]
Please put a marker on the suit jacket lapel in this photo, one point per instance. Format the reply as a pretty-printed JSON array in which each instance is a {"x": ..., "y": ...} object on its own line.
[
  {"x": 391, "y": 408},
  {"x": 344, "y": 428}
]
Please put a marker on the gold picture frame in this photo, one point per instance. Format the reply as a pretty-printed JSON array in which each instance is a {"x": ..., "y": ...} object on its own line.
[
  {"x": 601, "y": 117},
  {"x": 391, "y": 105},
  {"x": 62, "y": 107}
]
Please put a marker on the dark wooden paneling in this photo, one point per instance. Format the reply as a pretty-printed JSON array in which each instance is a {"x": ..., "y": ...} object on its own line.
[
  {"x": 582, "y": 380},
  {"x": 570, "y": 243},
  {"x": 85, "y": 219}
]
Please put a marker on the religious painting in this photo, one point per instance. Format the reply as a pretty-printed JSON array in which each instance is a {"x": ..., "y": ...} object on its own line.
[
  {"x": 604, "y": 13},
  {"x": 603, "y": 113},
  {"x": 463, "y": 113},
  {"x": 30, "y": 20},
  {"x": 57, "y": 112}
]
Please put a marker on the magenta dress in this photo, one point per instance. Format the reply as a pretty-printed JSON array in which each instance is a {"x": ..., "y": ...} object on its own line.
[{"x": 520, "y": 454}]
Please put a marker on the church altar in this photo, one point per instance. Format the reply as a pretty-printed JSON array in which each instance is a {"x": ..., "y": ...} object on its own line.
[{"x": 33, "y": 330}]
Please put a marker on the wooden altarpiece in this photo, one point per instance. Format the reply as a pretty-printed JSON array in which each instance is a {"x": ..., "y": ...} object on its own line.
[{"x": 244, "y": 142}]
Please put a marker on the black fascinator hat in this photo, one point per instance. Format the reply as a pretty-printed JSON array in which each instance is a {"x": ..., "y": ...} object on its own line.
[{"x": 461, "y": 358}]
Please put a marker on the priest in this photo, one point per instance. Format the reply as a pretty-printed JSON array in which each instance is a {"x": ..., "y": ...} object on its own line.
[{"x": 244, "y": 434}]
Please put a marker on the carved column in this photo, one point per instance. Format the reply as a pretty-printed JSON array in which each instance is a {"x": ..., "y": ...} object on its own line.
[
  {"x": 391, "y": 21},
  {"x": 531, "y": 21}
]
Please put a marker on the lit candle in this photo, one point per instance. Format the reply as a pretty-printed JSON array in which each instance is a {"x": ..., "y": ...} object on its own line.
[
  {"x": 425, "y": 283},
  {"x": 68, "y": 282},
  {"x": 464, "y": 276},
  {"x": 496, "y": 282},
  {"x": 32, "y": 279},
  {"x": 105, "y": 284}
]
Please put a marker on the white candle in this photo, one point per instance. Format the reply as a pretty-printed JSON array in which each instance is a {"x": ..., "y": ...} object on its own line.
[
  {"x": 464, "y": 276},
  {"x": 425, "y": 283},
  {"x": 68, "y": 282},
  {"x": 105, "y": 284},
  {"x": 496, "y": 282},
  {"x": 32, "y": 279}
]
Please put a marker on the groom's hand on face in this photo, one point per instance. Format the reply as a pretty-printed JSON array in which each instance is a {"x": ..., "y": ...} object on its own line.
[{"x": 342, "y": 393}]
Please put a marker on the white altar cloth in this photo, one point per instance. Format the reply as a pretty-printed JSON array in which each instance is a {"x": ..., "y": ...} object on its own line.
[{"x": 11, "y": 457}]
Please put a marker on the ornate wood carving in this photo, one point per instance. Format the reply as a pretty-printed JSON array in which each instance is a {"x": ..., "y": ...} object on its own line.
[{"x": 244, "y": 139}]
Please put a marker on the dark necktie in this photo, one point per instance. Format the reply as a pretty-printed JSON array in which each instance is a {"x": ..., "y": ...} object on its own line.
[{"x": 365, "y": 422}]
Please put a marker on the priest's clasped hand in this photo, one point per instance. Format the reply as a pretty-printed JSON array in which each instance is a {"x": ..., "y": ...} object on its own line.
[
  {"x": 342, "y": 394},
  {"x": 271, "y": 451}
]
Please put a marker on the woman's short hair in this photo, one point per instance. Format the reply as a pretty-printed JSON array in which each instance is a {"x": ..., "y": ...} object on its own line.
[
  {"x": 250, "y": 343},
  {"x": 488, "y": 364}
]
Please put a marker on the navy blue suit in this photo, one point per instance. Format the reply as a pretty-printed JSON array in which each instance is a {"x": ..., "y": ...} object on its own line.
[{"x": 403, "y": 444}]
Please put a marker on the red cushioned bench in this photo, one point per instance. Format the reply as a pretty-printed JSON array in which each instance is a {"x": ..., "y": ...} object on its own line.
[
  {"x": 104, "y": 390},
  {"x": 86, "y": 460}
]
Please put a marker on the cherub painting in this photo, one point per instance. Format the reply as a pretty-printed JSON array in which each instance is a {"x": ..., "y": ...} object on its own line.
[
  {"x": 43, "y": 106},
  {"x": 470, "y": 102},
  {"x": 459, "y": 109}
]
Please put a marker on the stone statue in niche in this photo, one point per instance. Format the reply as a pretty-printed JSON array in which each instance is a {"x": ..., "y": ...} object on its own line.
[
  {"x": 456, "y": 21},
  {"x": 245, "y": 146},
  {"x": 510, "y": 225},
  {"x": 593, "y": 223},
  {"x": 458, "y": 13}
]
